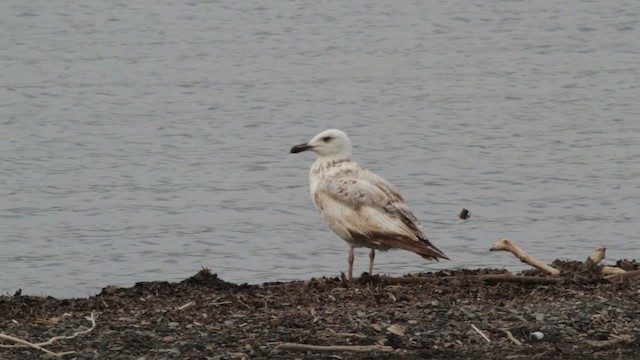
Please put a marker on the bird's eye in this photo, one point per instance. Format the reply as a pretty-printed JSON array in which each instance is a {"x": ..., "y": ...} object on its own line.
[{"x": 327, "y": 138}]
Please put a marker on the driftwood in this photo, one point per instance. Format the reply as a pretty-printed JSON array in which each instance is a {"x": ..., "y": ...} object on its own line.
[
  {"x": 626, "y": 275},
  {"x": 628, "y": 339},
  {"x": 333, "y": 348},
  {"x": 611, "y": 270},
  {"x": 491, "y": 278},
  {"x": 507, "y": 245},
  {"x": 611, "y": 273},
  {"x": 512, "y": 338},
  {"x": 40, "y": 346},
  {"x": 484, "y": 336},
  {"x": 594, "y": 259},
  {"x": 517, "y": 279},
  {"x": 29, "y": 344}
]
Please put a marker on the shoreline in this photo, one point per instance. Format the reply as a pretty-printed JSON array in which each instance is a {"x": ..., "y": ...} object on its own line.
[{"x": 445, "y": 315}]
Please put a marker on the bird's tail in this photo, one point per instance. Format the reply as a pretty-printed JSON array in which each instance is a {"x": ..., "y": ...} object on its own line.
[{"x": 430, "y": 251}]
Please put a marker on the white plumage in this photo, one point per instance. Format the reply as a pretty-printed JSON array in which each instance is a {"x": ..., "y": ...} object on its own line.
[{"x": 359, "y": 206}]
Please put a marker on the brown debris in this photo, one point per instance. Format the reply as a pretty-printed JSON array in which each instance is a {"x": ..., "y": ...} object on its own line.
[
  {"x": 333, "y": 348},
  {"x": 580, "y": 314}
]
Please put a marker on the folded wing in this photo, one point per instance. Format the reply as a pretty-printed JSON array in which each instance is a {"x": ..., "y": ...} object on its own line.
[{"x": 366, "y": 210}]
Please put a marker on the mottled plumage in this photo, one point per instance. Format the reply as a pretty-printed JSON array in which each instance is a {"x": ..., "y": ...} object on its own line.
[{"x": 359, "y": 206}]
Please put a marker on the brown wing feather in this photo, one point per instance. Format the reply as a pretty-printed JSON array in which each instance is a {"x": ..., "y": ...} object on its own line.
[
  {"x": 355, "y": 187},
  {"x": 423, "y": 247}
]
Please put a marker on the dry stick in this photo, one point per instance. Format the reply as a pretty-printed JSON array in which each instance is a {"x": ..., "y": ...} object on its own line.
[
  {"x": 361, "y": 336},
  {"x": 512, "y": 338},
  {"x": 221, "y": 303},
  {"x": 25, "y": 343},
  {"x": 595, "y": 258},
  {"x": 611, "y": 270},
  {"x": 516, "y": 279},
  {"x": 481, "y": 333},
  {"x": 92, "y": 318},
  {"x": 630, "y": 275},
  {"x": 55, "y": 338},
  {"x": 187, "y": 305},
  {"x": 508, "y": 245},
  {"x": 333, "y": 348},
  {"x": 487, "y": 277},
  {"x": 616, "y": 340}
]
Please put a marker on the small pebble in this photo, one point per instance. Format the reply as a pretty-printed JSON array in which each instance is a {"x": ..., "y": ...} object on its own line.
[{"x": 537, "y": 335}]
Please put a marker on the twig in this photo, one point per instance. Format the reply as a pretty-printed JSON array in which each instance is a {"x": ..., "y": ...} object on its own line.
[
  {"x": 55, "y": 338},
  {"x": 187, "y": 305},
  {"x": 244, "y": 304},
  {"x": 616, "y": 340},
  {"x": 508, "y": 245},
  {"x": 516, "y": 278},
  {"x": 481, "y": 333},
  {"x": 221, "y": 303},
  {"x": 629, "y": 275},
  {"x": 512, "y": 338},
  {"x": 333, "y": 348},
  {"x": 612, "y": 270},
  {"x": 486, "y": 277},
  {"x": 25, "y": 343},
  {"x": 361, "y": 336},
  {"x": 91, "y": 318}
]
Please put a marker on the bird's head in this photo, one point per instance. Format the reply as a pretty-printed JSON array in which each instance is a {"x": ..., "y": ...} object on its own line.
[{"x": 329, "y": 143}]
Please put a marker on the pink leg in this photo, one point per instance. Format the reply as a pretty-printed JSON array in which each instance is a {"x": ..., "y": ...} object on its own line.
[
  {"x": 372, "y": 255},
  {"x": 350, "y": 259}
]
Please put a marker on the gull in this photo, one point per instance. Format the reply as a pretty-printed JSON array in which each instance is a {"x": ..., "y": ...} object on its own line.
[{"x": 359, "y": 206}]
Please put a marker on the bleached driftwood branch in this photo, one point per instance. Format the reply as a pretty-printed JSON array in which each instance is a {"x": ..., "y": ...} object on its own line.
[
  {"x": 594, "y": 259},
  {"x": 629, "y": 275},
  {"x": 25, "y": 343},
  {"x": 484, "y": 336},
  {"x": 333, "y": 348},
  {"x": 187, "y": 305},
  {"x": 612, "y": 270},
  {"x": 40, "y": 346},
  {"x": 598, "y": 255},
  {"x": 492, "y": 278},
  {"x": 615, "y": 339},
  {"x": 507, "y": 245},
  {"x": 522, "y": 279},
  {"x": 512, "y": 338}
]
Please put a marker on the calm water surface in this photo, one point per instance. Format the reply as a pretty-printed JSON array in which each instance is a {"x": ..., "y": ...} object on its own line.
[{"x": 145, "y": 140}]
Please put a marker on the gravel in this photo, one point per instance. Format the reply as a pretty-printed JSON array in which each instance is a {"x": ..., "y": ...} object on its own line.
[{"x": 582, "y": 316}]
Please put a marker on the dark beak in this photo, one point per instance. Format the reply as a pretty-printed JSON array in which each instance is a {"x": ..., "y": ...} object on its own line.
[{"x": 300, "y": 148}]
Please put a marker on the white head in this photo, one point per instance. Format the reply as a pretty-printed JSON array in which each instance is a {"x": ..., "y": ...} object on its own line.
[{"x": 331, "y": 143}]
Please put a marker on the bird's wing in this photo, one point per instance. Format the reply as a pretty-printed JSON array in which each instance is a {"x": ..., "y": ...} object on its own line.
[{"x": 371, "y": 211}]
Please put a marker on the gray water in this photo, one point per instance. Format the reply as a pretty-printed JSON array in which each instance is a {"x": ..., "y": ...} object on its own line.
[{"x": 144, "y": 140}]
